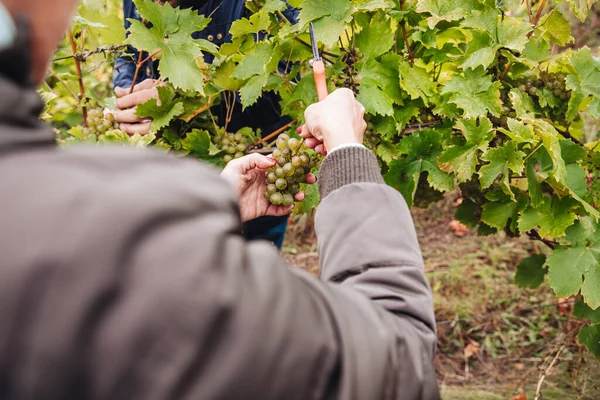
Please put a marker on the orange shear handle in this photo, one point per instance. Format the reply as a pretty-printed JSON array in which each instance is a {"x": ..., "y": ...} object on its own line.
[{"x": 320, "y": 79}]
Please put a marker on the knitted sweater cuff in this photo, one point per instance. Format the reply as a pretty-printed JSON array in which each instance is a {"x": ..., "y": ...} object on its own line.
[{"x": 348, "y": 165}]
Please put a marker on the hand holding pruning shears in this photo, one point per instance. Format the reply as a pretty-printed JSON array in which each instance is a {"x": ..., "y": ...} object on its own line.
[{"x": 320, "y": 76}]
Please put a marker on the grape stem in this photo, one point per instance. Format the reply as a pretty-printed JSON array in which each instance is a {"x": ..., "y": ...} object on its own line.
[
  {"x": 534, "y": 235},
  {"x": 79, "y": 78},
  {"x": 276, "y": 133},
  {"x": 84, "y": 55},
  {"x": 411, "y": 56}
]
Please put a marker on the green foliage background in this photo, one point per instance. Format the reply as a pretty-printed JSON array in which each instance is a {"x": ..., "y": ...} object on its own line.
[{"x": 453, "y": 97}]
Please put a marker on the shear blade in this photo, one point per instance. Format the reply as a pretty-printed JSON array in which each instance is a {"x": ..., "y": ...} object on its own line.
[{"x": 313, "y": 42}]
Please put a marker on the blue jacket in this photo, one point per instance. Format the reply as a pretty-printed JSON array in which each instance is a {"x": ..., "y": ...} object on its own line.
[{"x": 264, "y": 115}]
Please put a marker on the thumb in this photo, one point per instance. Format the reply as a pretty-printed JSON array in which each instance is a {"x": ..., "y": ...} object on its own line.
[{"x": 256, "y": 160}]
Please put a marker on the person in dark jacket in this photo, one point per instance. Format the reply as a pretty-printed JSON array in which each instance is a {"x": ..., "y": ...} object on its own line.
[
  {"x": 124, "y": 273},
  {"x": 264, "y": 115}
]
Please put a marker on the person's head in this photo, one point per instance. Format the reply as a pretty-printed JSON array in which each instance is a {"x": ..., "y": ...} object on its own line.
[{"x": 47, "y": 22}]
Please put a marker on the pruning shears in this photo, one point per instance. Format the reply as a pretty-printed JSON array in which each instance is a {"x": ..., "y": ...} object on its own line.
[{"x": 318, "y": 67}]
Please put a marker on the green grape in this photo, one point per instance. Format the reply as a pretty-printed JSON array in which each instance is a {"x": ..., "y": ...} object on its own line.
[
  {"x": 281, "y": 161},
  {"x": 271, "y": 188},
  {"x": 287, "y": 200},
  {"x": 296, "y": 161},
  {"x": 239, "y": 154},
  {"x": 289, "y": 169},
  {"x": 281, "y": 184},
  {"x": 271, "y": 177},
  {"x": 227, "y": 158},
  {"x": 305, "y": 158},
  {"x": 294, "y": 145},
  {"x": 279, "y": 172},
  {"x": 276, "y": 199},
  {"x": 277, "y": 154},
  {"x": 287, "y": 152},
  {"x": 241, "y": 147},
  {"x": 231, "y": 150},
  {"x": 238, "y": 137},
  {"x": 294, "y": 188}
]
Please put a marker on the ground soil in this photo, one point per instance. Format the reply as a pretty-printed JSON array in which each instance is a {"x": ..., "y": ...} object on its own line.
[{"x": 495, "y": 339}]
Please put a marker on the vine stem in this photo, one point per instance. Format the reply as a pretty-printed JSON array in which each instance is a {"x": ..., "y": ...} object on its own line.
[
  {"x": 535, "y": 21},
  {"x": 535, "y": 235},
  {"x": 276, "y": 133},
  {"x": 411, "y": 56},
  {"x": 79, "y": 78},
  {"x": 138, "y": 66},
  {"x": 528, "y": 10}
]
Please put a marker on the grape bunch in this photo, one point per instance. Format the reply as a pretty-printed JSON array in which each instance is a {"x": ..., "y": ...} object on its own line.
[
  {"x": 284, "y": 179},
  {"x": 98, "y": 124},
  {"x": 234, "y": 145},
  {"x": 350, "y": 58},
  {"x": 548, "y": 84}
]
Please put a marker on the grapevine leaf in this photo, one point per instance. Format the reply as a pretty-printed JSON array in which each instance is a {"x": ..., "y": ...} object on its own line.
[
  {"x": 420, "y": 152},
  {"x": 551, "y": 141},
  {"x": 252, "y": 90},
  {"x": 519, "y": 132},
  {"x": 376, "y": 38},
  {"x": 197, "y": 143},
  {"x": 224, "y": 79},
  {"x": 533, "y": 186},
  {"x": 311, "y": 199},
  {"x": 576, "y": 180},
  {"x": 571, "y": 152},
  {"x": 474, "y": 93},
  {"x": 257, "y": 22},
  {"x": 329, "y": 18},
  {"x": 536, "y": 51},
  {"x": 480, "y": 52},
  {"x": 417, "y": 82},
  {"x": 467, "y": 213},
  {"x": 375, "y": 73},
  {"x": 577, "y": 267},
  {"x": 553, "y": 217},
  {"x": 171, "y": 33},
  {"x": 256, "y": 62},
  {"x": 583, "y": 311},
  {"x": 387, "y": 151},
  {"x": 589, "y": 336},
  {"x": 445, "y": 10},
  {"x": 497, "y": 214},
  {"x": 580, "y": 8},
  {"x": 522, "y": 104},
  {"x": 462, "y": 159},
  {"x": 375, "y": 100},
  {"x": 586, "y": 84},
  {"x": 501, "y": 160},
  {"x": 531, "y": 271},
  {"x": 555, "y": 28},
  {"x": 162, "y": 111}
]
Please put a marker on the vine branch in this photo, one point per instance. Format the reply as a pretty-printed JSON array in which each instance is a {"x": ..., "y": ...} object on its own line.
[
  {"x": 534, "y": 235},
  {"x": 79, "y": 78},
  {"x": 138, "y": 66},
  {"x": 84, "y": 55},
  {"x": 411, "y": 55}
]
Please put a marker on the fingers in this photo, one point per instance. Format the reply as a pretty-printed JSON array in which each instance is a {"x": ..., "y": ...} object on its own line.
[
  {"x": 126, "y": 116},
  {"x": 299, "y": 196},
  {"x": 311, "y": 143},
  {"x": 144, "y": 85},
  {"x": 131, "y": 129},
  {"x": 310, "y": 179},
  {"x": 321, "y": 149},
  {"x": 137, "y": 97},
  {"x": 250, "y": 162},
  {"x": 278, "y": 211}
]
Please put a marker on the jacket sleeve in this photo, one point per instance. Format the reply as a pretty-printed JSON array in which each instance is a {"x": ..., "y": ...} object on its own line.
[{"x": 201, "y": 313}]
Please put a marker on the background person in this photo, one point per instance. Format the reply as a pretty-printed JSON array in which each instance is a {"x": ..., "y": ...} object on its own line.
[{"x": 264, "y": 115}]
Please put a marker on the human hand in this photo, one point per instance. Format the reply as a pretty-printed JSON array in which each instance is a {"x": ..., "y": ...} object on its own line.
[
  {"x": 247, "y": 174},
  {"x": 337, "y": 120},
  {"x": 127, "y": 102}
]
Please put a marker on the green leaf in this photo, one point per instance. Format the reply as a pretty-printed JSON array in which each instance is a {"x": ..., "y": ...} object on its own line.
[
  {"x": 580, "y": 8},
  {"x": 497, "y": 214},
  {"x": 552, "y": 217},
  {"x": 519, "y": 132},
  {"x": 375, "y": 100},
  {"x": 531, "y": 271},
  {"x": 171, "y": 33},
  {"x": 571, "y": 152},
  {"x": 257, "y": 22},
  {"x": 534, "y": 187},
  {"x": 576, "y": 180},
  {"x": 383, "y": 75},
  {"x": 329, "y": 18},
  {"x": 162, "y": 111},
  {"x": 462, "y": 159},
  {"x": 420, "y": 151},
  {"x": 583, "y": 311},
  {"x": 197, "y": 143},
  {"x": 522, "y": 104},
  {"x": 252, "y": 90},
  {"x": 256, "y": 62},
  {"x": 551, "y": 141},
  {"x": 474, "y": 93},
  {"x": 417, "y": 82},
  {"x": 445, "y": 10},
  {"x": 586, "y": 84},
  {"x": 468, "y": 213},
  {"x": 589, "y": 336},
  {"x": 376, "y": 38},
  {"x": 554, "y": 27},
  {"x": 501, "y": 160}
]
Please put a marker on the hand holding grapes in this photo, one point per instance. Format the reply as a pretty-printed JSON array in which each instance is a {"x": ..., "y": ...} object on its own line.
[
  {"x": 248, "y": 174},
  {"x": 337, "y": 120}
]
